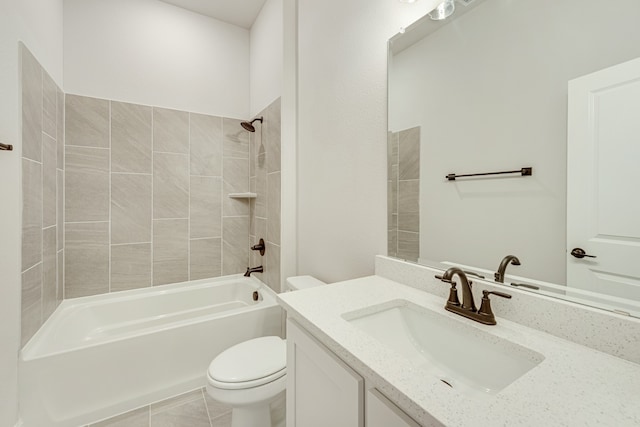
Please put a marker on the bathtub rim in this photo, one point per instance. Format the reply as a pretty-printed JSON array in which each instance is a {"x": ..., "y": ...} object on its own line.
[{"x": 73, "y": 304}]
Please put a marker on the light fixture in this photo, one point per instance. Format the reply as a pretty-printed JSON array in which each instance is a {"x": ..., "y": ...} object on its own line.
[{"x": 443, "y": 10}]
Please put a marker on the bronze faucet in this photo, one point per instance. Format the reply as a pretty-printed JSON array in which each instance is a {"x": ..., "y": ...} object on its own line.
[
  {"x": 499, "y": 275},
  {"x": 468, "y": 308},
  {"x": 253, "y": 270}
]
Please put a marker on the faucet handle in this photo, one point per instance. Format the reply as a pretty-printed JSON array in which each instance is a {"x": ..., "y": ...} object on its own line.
[
  {"x": 441, "y": 277},
  {"x": 485, "y": 294},
  {"x": 485, "y": 306},
  {"x": 453, "y": 292}
]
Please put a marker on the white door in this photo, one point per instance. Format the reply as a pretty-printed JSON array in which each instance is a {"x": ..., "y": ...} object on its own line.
[{"x": 603, "y": 181}]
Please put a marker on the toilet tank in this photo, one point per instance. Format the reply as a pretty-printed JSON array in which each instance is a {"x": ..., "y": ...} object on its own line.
[{"x": 297, "y": 283}]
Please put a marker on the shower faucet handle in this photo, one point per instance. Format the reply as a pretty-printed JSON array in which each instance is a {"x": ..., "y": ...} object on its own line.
[{"x": 259, "y": 247}]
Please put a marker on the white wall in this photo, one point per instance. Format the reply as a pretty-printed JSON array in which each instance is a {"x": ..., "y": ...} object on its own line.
[
  {"x": 266, "y": 56},
  {"x": 39, "y": 24},
  {"x": 153, "y": 53},
  {"x": 491, "y": 99},
  {"x": 342, "y": 129}
]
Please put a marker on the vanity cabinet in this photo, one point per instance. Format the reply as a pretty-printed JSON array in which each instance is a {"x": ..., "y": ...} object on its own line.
[
  {"x": 381, "y": 412},
  {"x": 321, "y": 389},
  {"x": 324, "y": 391}
]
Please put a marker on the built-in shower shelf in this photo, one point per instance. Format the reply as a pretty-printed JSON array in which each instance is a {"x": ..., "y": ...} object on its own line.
[{"x": 243, "y": 195}]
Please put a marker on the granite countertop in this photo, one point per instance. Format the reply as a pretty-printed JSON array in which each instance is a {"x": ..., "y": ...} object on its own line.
[{"x": 573, "y": 385}]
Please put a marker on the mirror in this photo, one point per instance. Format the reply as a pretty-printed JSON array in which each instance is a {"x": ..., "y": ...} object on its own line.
[{"x": 486, "y": 91}]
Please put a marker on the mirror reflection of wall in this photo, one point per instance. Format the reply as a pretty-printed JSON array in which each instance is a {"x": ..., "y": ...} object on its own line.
[
  {"x": 489, "y": 91},
  {"x": 403, "y": 193}
]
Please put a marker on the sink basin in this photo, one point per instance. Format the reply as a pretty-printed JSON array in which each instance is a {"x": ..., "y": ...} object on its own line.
[{"x": 462, "y": 356}]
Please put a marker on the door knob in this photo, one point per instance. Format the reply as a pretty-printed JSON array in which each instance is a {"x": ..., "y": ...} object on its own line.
[{"x": 580, "y": 253}]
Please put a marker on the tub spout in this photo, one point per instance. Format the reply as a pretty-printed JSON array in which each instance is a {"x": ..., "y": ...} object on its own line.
[{"x": 253, "y": 270}]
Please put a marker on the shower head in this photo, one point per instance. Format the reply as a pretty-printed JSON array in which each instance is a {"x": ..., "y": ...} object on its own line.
[{"x": 249, "y": 125}]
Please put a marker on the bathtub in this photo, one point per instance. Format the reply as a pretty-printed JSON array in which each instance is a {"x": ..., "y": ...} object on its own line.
[{"x": 102, "y": 355}]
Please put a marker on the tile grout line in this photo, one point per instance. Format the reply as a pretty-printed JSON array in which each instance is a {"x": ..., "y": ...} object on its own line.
[
  {"x": 110, "y": 192},
  {"x": 41, "y": 195},
  {"x": 206, "y": 407},
  {"x": 64, "y": 191},
  {"x": 222, "y": 198},
  {"x": 153, "y": 141},
  {"x": 189, "y": 199}
]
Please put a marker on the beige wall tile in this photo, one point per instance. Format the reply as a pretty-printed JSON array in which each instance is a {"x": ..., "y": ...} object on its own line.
[
  {"x": 170, "y": 186},
  {"x": 60, "y": 127},
  {"x": 234, "y": 206},
  {"x": 86, "y": 259},
  {"x": 392, "y": 243},
  {"x": 170, "y": 131},
  {"x": 31, "y": 213},
  {"x": 49, "y": 105},
  {"x": 60, "y": 285},
  {"x": 273, "y": 208},
  {"x": 408, "y": 245},
  {"x": 409, "y": 205},
  {"x": 170, "y": 251},
  {"x": 60, "y": 207},
  {"x": 236, "y": 139},
  {"x": 409, "y": 154},
  {"x": 31, "y": 302},
  {"x": 273, "y": 138},
  {"x": 235, "y": 180},
  {"x": 260, "y": 233},
  {"x": 49, "y": 273},
  {"x": 261, "y": 187},
  {"x": 86, "y": 121},
  {"x": 252, "y": 207},
  {"x": 49, "y": 180},
  {"x": 409, "y": 222},
  {"x": 130, "y": 266},
  {"x": 87, "y": 184},
  {"x": 206, "y": 145},
  {"x": 130, "y": 208},
  {"x": 130, "y": 138},
  {"x": 205, "y": 258},
  {"x": 31, "y": 106},
  {"x": 206, "y": 207},
  {"x": 235, "y": 244},
  {"x": 272, "y": 267}
]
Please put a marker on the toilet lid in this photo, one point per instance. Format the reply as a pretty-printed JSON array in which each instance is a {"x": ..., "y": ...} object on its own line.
[{"x": 250, "y": 361}]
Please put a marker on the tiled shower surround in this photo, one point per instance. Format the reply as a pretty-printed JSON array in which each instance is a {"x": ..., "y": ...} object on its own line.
[
  {"x": 120, "y": 196},
  {"x": 146, "y": 199},
  {"x": 403, "y": 192},
  {"x": 265, "y": 182},
  {"x": 42, "y": 188}
]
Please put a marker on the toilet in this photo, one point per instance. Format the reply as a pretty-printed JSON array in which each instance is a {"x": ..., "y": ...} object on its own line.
[{"x": 252, "y": 374}]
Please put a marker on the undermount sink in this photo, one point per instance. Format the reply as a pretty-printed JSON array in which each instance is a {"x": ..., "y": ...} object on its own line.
[{"x": 462, "y": 356}]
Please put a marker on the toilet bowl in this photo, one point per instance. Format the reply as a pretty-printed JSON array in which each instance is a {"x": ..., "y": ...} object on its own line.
[
  {"x": 248, "y": 377},
  {"x": 252, "y": 374}
]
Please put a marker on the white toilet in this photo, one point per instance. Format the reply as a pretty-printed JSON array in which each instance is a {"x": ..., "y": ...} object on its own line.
[{"x": 250, "y": 375}]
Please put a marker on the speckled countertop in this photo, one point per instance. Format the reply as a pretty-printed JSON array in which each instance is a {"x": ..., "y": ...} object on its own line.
[{"x": 573, "y": 385}]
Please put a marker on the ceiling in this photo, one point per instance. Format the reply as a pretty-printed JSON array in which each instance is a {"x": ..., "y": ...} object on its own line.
[{"x": 242, "y": 13}]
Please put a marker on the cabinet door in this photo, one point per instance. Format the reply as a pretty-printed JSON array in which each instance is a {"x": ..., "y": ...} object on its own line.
[
  {"x": 321, "y": 390},
  {"x": 381, "y": 412}
]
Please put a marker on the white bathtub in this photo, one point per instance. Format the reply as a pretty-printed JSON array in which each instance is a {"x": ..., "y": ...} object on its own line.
[{"x": 102, "y": 355}]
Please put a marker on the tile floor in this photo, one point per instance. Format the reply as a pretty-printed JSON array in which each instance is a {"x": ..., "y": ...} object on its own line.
[{"x": 193, "y": 409}]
